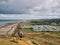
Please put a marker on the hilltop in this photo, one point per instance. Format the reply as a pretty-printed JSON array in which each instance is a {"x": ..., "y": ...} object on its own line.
[
  {"x": 30, "y": 37},
  {"x": 46, "y": 22}
]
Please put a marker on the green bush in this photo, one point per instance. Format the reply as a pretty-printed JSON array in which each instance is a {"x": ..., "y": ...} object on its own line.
[{"x": 34, "y": 43}]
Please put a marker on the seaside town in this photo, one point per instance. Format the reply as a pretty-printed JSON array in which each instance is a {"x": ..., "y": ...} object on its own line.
[{"x": 10, "y": 31}]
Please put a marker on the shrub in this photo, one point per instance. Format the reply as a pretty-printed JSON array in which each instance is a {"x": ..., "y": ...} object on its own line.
[{"x": 34, "y": 43}]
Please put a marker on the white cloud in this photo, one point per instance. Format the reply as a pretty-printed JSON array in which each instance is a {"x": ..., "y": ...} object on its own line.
[
  {"x": 30, "y": 9},
  {"x": 13, "y": 16}
]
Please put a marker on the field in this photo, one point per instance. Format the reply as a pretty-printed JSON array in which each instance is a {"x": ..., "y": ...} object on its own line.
[
  {"x": 33, "y": 38},
  {"x": 43, "y": 38}
]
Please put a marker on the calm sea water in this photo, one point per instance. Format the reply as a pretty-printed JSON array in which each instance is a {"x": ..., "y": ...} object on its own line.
[{"x": 2, "y": 22}]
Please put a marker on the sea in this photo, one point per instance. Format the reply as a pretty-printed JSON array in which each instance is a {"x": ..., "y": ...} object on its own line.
[{"x": 2, "y": 22}]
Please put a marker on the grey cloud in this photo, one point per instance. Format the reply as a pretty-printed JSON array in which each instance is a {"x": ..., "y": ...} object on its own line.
[
  {"x": 18, "y": 5},
  {"x": 33, "y": 7}
]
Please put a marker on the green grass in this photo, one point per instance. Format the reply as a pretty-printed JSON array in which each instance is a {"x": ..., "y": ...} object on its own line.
[
  {"x": 34, "y": 43},
  {"x": 27, "y": 30}
]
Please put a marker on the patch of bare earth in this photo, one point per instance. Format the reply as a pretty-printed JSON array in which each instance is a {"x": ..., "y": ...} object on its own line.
[{"x": 23, "y": 42}]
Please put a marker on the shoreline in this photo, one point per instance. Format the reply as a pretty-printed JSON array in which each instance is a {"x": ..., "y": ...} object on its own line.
[
  {"x": 9, "y": 28},
  {"x": 9, "y": 23}
]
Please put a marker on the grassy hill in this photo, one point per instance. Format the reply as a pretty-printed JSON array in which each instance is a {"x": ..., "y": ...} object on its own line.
[
  {"x": 46, "y": 22},
  {"x": 42, "y": 38},
  {"x": 32, "y": 37}
]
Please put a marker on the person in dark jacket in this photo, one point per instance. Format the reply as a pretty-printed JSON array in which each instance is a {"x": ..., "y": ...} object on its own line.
[{"x": 20, "y": 34}]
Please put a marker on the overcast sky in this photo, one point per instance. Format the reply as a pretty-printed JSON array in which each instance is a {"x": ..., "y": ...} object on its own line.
[{"x": 29, "y": 9}]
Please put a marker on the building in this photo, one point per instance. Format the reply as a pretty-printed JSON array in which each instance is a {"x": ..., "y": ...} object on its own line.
[{"x": 42, "y": 27}]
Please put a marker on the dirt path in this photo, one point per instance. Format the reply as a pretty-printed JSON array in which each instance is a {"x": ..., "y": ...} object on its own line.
[{"x": 23, "y": 42}]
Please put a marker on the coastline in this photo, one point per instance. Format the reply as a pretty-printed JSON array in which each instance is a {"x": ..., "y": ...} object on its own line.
[
  {"x": 9, "y": 28},
  {"x": 6, "y": 24}
]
